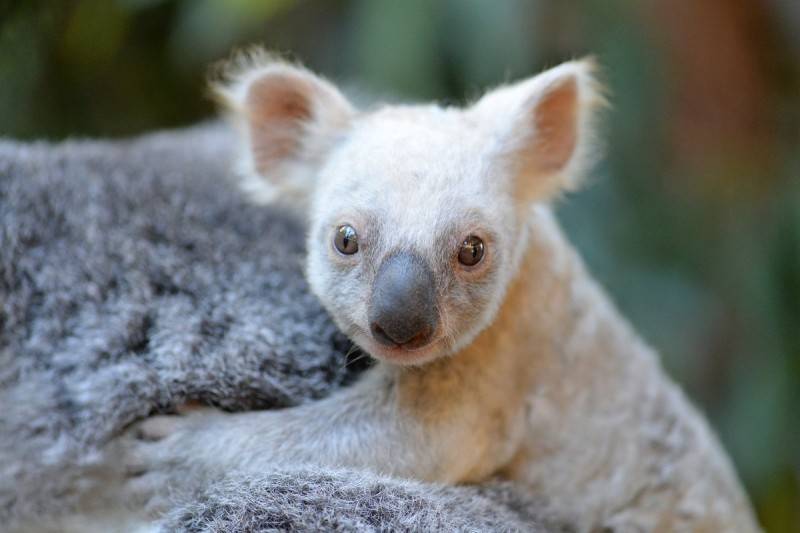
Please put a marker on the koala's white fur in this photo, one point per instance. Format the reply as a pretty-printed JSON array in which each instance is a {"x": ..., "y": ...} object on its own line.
[{"x": 532, "y": 374}]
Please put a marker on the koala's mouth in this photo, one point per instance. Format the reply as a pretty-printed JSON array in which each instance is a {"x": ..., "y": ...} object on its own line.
[
  {"x": 399, "y": 354},
  {"x": 417, "y": 342},
  {"x": 419, "y": 337},
  {"x": 404, "y": 354}
]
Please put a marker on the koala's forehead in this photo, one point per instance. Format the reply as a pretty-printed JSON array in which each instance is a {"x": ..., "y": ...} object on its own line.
[
  {"x": 414, "y": 154},
  {"x": 418, "y": 174}
]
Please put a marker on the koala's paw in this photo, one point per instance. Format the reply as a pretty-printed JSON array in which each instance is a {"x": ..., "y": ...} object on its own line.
[{"x": 162, "y": 457}]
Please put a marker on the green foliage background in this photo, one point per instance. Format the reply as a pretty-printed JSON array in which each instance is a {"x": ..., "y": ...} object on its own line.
[{"x": 693, "y": 224}]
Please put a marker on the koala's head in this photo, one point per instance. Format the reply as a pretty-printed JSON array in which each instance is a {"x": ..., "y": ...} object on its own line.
[{"x": 418, "y": 214}]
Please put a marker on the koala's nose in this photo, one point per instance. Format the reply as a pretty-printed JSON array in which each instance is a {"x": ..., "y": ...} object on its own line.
[{"x": 402, "y": 308}]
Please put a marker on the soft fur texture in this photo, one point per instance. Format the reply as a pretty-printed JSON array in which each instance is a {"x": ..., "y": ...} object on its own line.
[
  {"x": 320, "y": 500},
  {"x": 134, "y": 277}
]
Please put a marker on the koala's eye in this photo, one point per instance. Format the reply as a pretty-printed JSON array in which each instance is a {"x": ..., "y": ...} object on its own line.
[
  {"x": 471, "y": 251},
  {"x": 346, "y": 240}
]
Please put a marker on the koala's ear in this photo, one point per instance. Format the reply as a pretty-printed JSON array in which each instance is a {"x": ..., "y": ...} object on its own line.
[
  {"x": 289, "y": 117},
  {"x": 542, "y": 128}
]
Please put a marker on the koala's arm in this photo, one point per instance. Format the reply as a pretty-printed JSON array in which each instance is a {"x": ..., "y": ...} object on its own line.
[{"x": 365, "y": 426}]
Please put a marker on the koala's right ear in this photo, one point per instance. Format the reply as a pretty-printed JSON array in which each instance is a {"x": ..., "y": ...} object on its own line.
[{"x": 290, "y": 119}]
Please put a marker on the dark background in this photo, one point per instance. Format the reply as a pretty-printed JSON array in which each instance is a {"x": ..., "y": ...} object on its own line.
[{"x": 692, "y": 221}]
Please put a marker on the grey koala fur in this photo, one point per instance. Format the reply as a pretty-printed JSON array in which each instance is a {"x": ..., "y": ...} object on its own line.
[
  {"x": 329, "y": 500},
  {"x": 135, "y": 277}
]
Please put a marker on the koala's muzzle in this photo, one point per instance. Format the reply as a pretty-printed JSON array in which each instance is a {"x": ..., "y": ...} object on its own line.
[{"x": 402, "y": 308}]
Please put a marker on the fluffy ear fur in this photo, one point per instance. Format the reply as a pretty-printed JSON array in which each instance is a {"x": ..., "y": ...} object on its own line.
[
  {"x": 290, "y": 119},
  {"x": 543, "y": 128}
]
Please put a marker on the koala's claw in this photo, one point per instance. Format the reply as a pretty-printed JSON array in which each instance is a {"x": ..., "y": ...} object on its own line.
[
  {"x": 156, "y": 459},
  {"x": 157, "y": 427},
  {"x": 140, "y": 457},
  {"x": 160, "y": 427}
]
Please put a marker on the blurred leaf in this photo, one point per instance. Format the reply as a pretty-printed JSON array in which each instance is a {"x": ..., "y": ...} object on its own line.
[
  {"x": 395, "y": 46},
  {"x": 477, "y": 36},
  {"x": 206, "y": 29},
  {"x": 21, "y": 67},
  {"x": 94, "y": 33},
  {"x": 136, "y": 5}
]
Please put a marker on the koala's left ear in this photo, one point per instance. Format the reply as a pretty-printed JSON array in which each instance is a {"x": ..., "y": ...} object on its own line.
[
  {"x": 289, "y": 117},
  {"x": 542, "y": 128}
]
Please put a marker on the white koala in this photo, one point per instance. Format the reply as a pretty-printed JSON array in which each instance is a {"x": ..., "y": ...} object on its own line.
[{"x": 433, "y": 246}]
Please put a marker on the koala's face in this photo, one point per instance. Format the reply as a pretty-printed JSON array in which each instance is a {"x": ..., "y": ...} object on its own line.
[
  {"x": 413, "y": 233},
  {"x": 418, "y": 214}
]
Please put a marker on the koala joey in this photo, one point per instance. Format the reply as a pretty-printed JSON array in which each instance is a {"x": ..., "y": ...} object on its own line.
[{"x": 433, "y": 246}]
